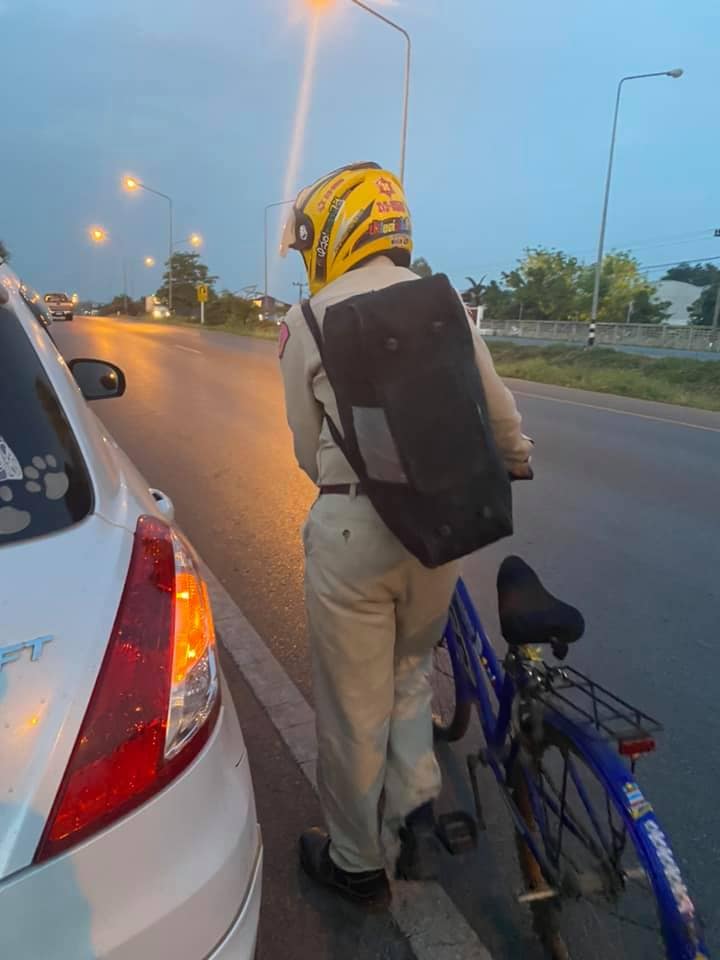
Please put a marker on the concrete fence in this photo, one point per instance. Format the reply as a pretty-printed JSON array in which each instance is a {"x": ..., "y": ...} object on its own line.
[{"x": 611, "y": 334}]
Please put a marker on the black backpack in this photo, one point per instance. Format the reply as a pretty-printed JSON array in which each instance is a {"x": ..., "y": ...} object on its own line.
[{"x": 413, "y": 423}]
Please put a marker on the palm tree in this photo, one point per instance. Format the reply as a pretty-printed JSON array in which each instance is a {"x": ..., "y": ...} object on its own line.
[{"x": 476, "y": 291}]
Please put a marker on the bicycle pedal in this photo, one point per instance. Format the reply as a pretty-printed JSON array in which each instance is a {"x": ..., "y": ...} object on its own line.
[{"x": 457, "y": 832}]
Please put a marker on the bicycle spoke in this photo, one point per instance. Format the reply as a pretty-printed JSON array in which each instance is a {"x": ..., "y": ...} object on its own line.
[
  {"x": 571, "y": 821},
  {"x": 605, "y": 907}
]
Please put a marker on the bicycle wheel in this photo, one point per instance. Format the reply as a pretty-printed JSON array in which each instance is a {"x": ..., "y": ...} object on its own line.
[
  {"x": 612, "y": 898},
  {"x": 451, "y": 715}
]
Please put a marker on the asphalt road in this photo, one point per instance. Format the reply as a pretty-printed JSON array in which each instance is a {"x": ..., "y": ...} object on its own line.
[{"x": 622, "y": 520}]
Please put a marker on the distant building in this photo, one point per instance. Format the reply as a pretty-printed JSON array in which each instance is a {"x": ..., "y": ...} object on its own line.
[
  {"x": 681, "y": 297},
  {"x": 275, "y": 309}
]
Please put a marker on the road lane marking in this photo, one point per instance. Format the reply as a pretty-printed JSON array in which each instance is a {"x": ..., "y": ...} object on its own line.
[
  {"x": 425, "y": 914},
  {"x": 187, "y": 349},
  {"x": 622, "y": 413}
]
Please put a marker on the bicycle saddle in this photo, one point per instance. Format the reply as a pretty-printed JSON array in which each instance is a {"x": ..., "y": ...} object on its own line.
[{"x": 528, "y": 613}]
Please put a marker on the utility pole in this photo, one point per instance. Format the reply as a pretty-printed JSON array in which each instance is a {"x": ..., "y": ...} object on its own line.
[
  {"x": 716, "y": 313},
  {"x": 125, "y": 285},
  {"x": 301, "y": 286}
]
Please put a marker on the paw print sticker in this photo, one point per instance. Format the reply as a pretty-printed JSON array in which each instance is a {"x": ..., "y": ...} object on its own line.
[
  {"x": 12, "y": 520},
  {"x": 44, "y": 477}
]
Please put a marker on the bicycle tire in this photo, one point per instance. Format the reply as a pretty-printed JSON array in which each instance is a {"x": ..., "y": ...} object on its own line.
[
  {"x": 451, "y": 723},
  {"x": 677, "y": 929}
]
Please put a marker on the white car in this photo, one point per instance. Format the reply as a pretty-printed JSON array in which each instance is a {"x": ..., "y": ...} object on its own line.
[{"x": 128, "y": 828}]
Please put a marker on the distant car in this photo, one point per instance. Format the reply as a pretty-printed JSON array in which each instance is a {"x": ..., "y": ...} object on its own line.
[
  {"x": 160, "y": 312},
  {"x": 60, "y": 306},
  {"x": 128, "y": 828}
]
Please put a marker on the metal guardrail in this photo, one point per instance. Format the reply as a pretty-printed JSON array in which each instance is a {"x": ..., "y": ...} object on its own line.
[{"x": 700, "y": 339}]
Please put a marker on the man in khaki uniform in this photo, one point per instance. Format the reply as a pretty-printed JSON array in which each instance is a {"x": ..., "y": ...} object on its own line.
[{"x": 375, "y": 612}]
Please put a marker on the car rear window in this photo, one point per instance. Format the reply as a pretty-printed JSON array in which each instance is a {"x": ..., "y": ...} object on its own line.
[{"x": 44, "y": 485}]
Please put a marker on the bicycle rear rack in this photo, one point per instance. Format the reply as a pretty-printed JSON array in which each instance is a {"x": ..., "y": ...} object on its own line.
[{"x": 586, "y": 701}]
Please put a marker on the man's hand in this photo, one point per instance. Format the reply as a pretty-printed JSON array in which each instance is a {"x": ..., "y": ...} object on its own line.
[{"x": 521, "y": 471}]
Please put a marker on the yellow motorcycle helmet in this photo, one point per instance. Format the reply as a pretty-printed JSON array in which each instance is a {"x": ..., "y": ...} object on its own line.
[{"x": 346, "y": 218}]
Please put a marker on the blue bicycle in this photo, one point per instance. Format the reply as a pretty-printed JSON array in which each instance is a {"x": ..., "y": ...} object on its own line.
[{"x": 598, "y": 871}]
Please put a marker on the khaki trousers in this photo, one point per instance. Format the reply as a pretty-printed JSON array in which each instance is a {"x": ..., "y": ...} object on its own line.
[{"x": 375, "y": 614}]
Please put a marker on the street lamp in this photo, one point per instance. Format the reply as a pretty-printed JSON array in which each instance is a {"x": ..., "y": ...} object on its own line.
[
  {"x": 325, "y": 4},
  {"x": 149, "y": 261},
  {"x": 131, "y": 184},
  {"x": 97, "y": 234},
  {"x": 675, "y": 74},
  {"x": 193, "y": 240},
  {"x": 270, "y": 206}
]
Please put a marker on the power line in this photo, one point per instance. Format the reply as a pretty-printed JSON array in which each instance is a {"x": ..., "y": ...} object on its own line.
[{"x": 676, "y": 263}]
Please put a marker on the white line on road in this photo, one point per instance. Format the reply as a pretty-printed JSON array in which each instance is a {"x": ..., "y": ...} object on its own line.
[
  {"x": 621, "y": 413},
  {"x": 426, "y": 915},
  {"x": 187, "y": 349}
]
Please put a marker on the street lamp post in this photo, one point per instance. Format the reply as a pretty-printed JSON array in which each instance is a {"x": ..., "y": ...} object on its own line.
[
  {"x": 131, "y": 184},
  {"x": 675, "y": 74},
  {"x": 322, "y": 4},
  {"x": 268, "y": 208},
  {"x": 406, "y": 91}
]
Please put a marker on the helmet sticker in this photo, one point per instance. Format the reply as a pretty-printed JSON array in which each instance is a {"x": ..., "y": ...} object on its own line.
[
  {"x": 385, "y": 186},
  {"x": 303, "y": 233},
  {"x": 321, "y": 250},
  {"x": 390, "y": 206},
  {"x": 398, "y": 227},
  {"x": 327, "y": 196}
]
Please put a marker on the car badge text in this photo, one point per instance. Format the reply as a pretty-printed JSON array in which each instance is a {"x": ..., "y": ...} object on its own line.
[{"x": 14, "y": 651}]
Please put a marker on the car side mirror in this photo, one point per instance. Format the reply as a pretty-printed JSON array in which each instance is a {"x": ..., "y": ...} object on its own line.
[{"x": 97, "y": 379}]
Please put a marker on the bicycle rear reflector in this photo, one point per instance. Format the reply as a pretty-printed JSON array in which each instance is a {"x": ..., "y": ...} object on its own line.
[{"x": 633, "y": 748}]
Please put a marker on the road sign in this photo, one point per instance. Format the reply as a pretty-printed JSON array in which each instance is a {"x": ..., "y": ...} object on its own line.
[{"x": 202, "y": 293}]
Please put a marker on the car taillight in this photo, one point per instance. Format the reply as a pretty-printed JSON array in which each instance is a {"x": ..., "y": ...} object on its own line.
[{"x": 156, "y": 698}]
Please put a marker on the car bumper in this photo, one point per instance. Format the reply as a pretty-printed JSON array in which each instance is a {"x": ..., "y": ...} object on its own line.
[
  {"x": 241, "y": 939},
  {"x": 179, "y": 877}
]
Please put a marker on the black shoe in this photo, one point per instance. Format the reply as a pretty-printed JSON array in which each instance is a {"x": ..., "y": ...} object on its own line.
[
  {"x": 420, "y": 846},
  {"x": 370, "y": 888}
]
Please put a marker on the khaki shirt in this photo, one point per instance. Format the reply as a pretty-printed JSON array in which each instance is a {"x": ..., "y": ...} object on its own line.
[{"x": 308, "y": 393}]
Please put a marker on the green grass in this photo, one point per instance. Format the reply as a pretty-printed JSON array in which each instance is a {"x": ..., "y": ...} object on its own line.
[{"x": 691, "y": 383}]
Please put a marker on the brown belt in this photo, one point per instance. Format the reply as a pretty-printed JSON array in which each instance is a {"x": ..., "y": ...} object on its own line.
[{"x": 342, "y": 488}]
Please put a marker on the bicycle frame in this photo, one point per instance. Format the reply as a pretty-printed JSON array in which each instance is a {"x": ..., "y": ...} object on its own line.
[{"x": 484, "y": 678}]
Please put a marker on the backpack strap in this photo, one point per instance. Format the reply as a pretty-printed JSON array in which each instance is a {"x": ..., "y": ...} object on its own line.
[{"x": 314, "y": 328}]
